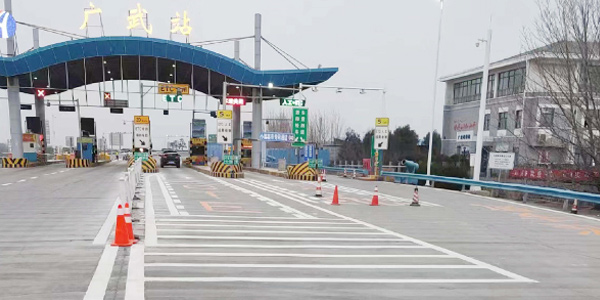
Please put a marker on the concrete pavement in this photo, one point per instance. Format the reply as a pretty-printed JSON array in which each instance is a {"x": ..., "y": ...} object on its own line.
[{"x": 50, "y": 217}]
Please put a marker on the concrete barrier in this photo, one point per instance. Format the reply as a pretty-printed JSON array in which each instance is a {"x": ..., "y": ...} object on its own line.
[
  {"x": 302, "y": 172},
  {"x": 77, "y": 163},
  {"x": 220, "y": 169},
  {"x": 15, "y": 162}
]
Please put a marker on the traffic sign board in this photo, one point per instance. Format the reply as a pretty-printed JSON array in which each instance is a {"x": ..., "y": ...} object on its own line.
[
  {"x": 172, "y": 89},
  {"x": 382, "y": 122},
  {"x": 141, "y": 120},
  {"x": 224, "y": 114},
  {"x": 141, "y": 135},
  {"x": 173, "y": 98},
  {"x": 292, "y": 102},
  {"x": 300, "y": 126},
  {"x": 224, "y": 131},
  {"x": 230, "y": 159},
  {"x": 381, "y": 138}
]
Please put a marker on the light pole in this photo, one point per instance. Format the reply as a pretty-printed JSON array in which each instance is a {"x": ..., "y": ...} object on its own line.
[
  {"x": 482, "y": 100},
  {"x": 435, "y": 79}
]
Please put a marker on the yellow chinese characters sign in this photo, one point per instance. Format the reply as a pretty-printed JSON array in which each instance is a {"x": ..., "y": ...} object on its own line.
[
  {"x": 382, "y": 122},
  {"x": 224, "y": 114},
  {"x": 136, "y": 19},
  {"x": 176, "y": 25},
  {"x": 141, "y": 120},
  {"x": 92, "y": 10},
  {"x": 171, "y": 89}
]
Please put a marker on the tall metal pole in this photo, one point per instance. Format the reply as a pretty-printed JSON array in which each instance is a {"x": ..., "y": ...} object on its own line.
[
  {"x": 256, "y": 99},
  {"x": 435, "y": 80},
  {"x": 237, "y": 110},
  {"x": 14, "y": 100},
  {"x": 482, "y": 102},
  {"x": 40, "y": 108}
]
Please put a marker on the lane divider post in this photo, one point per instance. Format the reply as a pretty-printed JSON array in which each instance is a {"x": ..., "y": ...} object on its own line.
[{"x": 319, "y": 192}]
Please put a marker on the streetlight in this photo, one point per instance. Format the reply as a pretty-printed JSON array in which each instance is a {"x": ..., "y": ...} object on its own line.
[
  {"x": 435, "y": 79},
  {"x": 482, "y": 102}
]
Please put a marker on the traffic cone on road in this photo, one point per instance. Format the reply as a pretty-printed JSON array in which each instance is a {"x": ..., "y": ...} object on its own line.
[
  {"x": 318, "y": 192},
  {"x": 574, "y": 208},
  {"x": 335, "y": 197},
  {"x": 375, "y": 201},
  {"x": 121, "y": 232},
  {"x": 415, "y": 198},
  {"x": 345, "y": 174},
  {"x": 127, "y": 215},
  {"x": 353, "y": 174}
]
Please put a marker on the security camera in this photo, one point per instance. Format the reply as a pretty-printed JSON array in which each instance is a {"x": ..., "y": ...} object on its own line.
[{"x": 477, "y": 44}]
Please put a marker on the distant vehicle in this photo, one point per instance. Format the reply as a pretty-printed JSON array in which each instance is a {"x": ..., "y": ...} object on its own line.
[{"x": 170, "y": 157}]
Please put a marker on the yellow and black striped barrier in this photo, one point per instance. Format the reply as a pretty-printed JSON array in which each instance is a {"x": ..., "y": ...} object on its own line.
[
  {"x": 149, "y": 166},
  {"x": 301, "y": 172},
  {"x": 220, "y": 169},
  {"x": 78, "y": 163},
  {"x": 130, "y": 162},
  {"x": 14, "y": 162}
]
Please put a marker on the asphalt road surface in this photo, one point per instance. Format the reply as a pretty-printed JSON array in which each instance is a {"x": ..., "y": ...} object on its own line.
[{"x": 264, "y": 237}]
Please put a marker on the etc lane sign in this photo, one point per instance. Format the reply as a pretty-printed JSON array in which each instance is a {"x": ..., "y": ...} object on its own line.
[
  {"x": 501, "y": 161},
  {"x": 224, "y": 127}
]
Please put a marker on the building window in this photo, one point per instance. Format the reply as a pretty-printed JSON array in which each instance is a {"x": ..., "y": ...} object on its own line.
[
  {"x": 543, "y": 157},
  {"x": 490, "y": 87},
  {"x": 486, "y": 122},
  {"x": 467, "y": 91},
  {"x": 518, "y": 118},
  {"x": 511, "y": 82},
  {"x": 502, "y": 120},
  {"x": 546, "y": 117}
]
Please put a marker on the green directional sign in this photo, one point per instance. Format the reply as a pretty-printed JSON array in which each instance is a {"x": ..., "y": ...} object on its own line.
[
  {"x": 173, "y": 98},
  {"x": 300, "y": 126},
  {"x": 231, "y": 160},
  {"x": 315, "y": 163},
  {"x": 212, "y": 138},
  {"x": 142, "y": 155},
  {"x": 292, "y": 102}
]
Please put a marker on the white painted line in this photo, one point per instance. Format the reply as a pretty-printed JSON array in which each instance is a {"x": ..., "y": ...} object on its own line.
[
  {"x": 304, "y": 246},
  {"x": 184, "y": 213},
  {"x": 274, "y": 231},
  {"x": 6, "y": 184},
  {"x": 34, "y": 177},
  {"x": 174, "y": 196},
  {"x": 513, "y": 276},
  {"x": 305, "y": 255},
  {"x": 312, "y": 266},
  {"x": 150, "y": 227},
  {"x": 180, "y": 206},
  {"x": 54, "y": 173},
  {"x": 62, "y": 171},
  {"x": 168, "y": 200},
  {"x": 104, "y": 231},
  {"x": 97, "y": 287},
  {"x": 47, "y": 174},
  {"x": 22, "y": 180},
  {"x": 271, "y": 201},
  {"x": 244, "y": 217},
  {"x": 265, "y": 226},
  {"x": 176, "y": 201},
  {"x": 134, "y": 288},
  {"x": 271, "y": 238},
  {"x": 322, "y": 280},
  {"x": 263, "y": 222}
]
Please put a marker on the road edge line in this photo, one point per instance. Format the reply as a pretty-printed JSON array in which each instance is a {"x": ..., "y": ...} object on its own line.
[
  {"x": 104, "y": 231},
  {"x": 97, "y": 287}
]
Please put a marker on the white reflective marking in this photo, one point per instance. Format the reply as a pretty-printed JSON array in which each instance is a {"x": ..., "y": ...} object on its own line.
[
  {"x": 184, "y": 213},
  {"x": 177, "y": 201},
  {"x": 312, "y": 266},
  {"x": 179, "y": 206},
  {"x": 34, "y": 177},
  {"x": 323, "y": 280},
  {"x": 134, "y": 288},
  {"x": 240, "y": 221},
  {"x": 168, "y": 199},
  {"x": 274, "y": 231},
  {"x": 306, "y": 246},
  {"x": 305, "y": 255},
  {"x": 5, "y": 184},
  {"x": 22, "y": 180},
  {"x": 104, "y": 231},
  {"x": 150, "y": 227},
  {"x": 272, "y": 238},
  {"x": 97, "y": 287}
]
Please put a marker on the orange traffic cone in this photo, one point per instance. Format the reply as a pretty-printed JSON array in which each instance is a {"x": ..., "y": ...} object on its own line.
[
  {"x": 574, "y": 208},
  {"x": 127, "y": 215},
  {"x": 415, "y": 198},
  {"x": 375, "y": 201},
  {"x": 121, "y": 232},
  {"x": 335, "y": 197},
  {"x": 318, "y": 192}
]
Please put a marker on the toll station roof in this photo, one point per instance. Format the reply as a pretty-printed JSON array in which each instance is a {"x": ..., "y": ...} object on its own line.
[{"x": 76, "y": 63}]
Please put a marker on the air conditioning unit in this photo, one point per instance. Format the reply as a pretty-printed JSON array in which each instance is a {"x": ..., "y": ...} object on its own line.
[{"x": 542, "y": 138}]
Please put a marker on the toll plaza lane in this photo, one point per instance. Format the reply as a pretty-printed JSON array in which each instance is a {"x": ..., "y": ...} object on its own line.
[
  {"x": 271, "y": 240},
  {"x": 48, "y": 226}
]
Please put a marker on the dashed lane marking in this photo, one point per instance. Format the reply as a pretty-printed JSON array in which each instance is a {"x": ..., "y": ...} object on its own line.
[
  {"x": 22, "y": 180},
  {"x": 6, "y": 184},
  {"x": 34, "y": 177}
]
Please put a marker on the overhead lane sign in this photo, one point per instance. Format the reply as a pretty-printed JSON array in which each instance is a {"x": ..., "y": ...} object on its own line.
[
  {"x": 173, "y": 89},
  {"x": 292, "y": 102}
]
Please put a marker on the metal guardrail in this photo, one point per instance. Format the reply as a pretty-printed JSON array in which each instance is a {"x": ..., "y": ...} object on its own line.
[
  {"x": 132, "y": 177},
  {"x": 531, "y": 189},
  {"x": 350, "y": 170}
]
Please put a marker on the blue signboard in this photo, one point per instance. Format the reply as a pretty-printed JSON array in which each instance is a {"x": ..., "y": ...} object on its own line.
[
  {"x": 247, "y": 132},
  {"x": 277, "y": 137},
  {"x": 309, "y": 151},
  {"x": 8, "y": 25},
  {"x": 198, "y": 128}
]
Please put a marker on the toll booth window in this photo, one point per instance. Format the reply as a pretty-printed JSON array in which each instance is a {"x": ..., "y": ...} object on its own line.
[{"x": 198, "y": 150}]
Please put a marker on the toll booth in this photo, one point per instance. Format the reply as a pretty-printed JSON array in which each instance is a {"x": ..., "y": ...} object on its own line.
[
  {"x": 87, "y": 148},
  {"x": 33, "y": 149},
  {"x": 198, "y": 151},
  {"x": 246, "y": 152}
]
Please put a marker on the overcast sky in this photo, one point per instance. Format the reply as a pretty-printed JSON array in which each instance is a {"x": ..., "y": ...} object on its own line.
[{"x": 389, "y": 44}]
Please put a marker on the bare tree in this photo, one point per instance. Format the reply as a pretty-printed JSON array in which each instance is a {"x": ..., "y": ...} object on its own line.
[
  {"x": 280, "y": 121},
  {"x": 563, "y": 84},
  {"x": 324, "y": 127}
]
